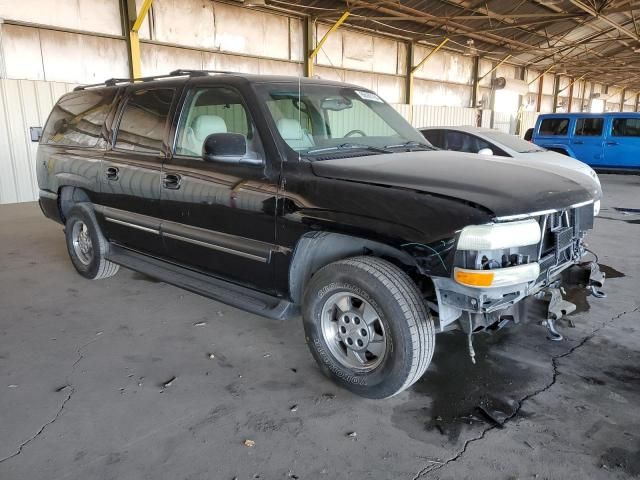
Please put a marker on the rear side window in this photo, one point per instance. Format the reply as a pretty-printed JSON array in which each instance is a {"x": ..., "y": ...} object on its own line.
[
  {"x": 626, "y": 127},
  {"x": 554, "y": 126},
  {"x": 589, "y": 127},
  {"x": 143, "y": 120},
  {"x": 78, "y": 117}
]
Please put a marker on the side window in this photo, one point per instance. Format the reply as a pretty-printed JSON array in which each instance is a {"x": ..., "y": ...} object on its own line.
[
  {"x": 463, "y": 142},
  {"x": 78, "y": 117},
  {"x": 208, "y": 111},
  {"x": 554, "y": 126},
  {"x": 144, "y": 119},
  {"x": 589, "y": 127},
  {"x": 626, "y": 127},
  {"x": 435, "y": 137}
]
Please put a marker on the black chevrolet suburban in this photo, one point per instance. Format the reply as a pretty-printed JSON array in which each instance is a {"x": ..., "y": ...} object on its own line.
[{"x": 283, "y": 195}]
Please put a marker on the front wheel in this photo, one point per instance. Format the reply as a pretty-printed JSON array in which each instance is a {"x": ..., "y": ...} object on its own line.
[
  {"x": 86, "y": 245},
  {"x": 367, "y": 326}
]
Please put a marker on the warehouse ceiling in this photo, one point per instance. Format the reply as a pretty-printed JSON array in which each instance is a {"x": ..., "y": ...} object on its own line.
[{"x": 594, "y": 40}]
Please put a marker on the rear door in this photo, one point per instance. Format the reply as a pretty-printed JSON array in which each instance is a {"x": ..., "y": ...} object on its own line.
[
  {"x": 587, "y": 141},
  {"x": 622, "y": 147},
  {"x": 219, "y": 218},
  {"x": 131, "y": 170}
]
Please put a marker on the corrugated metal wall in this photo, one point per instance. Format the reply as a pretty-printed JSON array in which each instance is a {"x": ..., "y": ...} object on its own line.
[
  {"x": 23, "y": 104},
  {"x": 431, "y": 116}
]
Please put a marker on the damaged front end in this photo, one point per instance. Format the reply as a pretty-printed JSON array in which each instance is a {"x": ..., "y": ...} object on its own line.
[{"x": 497, "y": 265}]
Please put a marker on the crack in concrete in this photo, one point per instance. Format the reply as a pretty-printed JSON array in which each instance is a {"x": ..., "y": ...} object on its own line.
[
  {"x": 31, "y": 439},
  {"x": 79, "y": 351},
  {"x": 554, "y": 363}
]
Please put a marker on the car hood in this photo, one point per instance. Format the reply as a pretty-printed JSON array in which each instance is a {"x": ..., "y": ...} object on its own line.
[
  {"x": 560, "y": 164},
  {"x": 504, "y": 187}
]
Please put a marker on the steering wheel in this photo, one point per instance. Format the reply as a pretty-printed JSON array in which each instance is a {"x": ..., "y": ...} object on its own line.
[{"x": 356, "y": 131}]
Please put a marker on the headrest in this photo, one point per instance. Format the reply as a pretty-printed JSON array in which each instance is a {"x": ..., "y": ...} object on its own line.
[{"x": 205, "y": 125}]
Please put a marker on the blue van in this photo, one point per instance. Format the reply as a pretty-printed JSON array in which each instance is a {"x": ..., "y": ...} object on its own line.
[{"x": 601, "y": 140}]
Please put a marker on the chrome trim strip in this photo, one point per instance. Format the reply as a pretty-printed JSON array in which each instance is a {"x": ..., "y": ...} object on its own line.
[
  {"x": 132, "y": 225},
  {"x": 521, "y": 216},
  {"x": 216, "y": 247}
]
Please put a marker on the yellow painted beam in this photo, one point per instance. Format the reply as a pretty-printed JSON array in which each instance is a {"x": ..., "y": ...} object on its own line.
[
  {"x": 134, "y": 39},
  {"x": 315, "y": 51},
  {"x": 571, "y": 84},
  {"x": 144, "y": 9},
  {"x": 414, "y": 69},
  {"x": 542, "y": 74},
  {"x": 496, "y": 67},
  {"x": 431, "y": 53}
]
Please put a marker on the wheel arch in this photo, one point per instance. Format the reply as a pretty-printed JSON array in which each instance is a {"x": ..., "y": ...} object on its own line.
[
  {"x": 314, "y": 250},
  {"x": 68, "y": 196}
]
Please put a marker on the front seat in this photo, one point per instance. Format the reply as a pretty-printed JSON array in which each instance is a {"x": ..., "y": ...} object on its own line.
[
  {"x": 293, "y": 133},
  {"x": 201, "y": 127}
]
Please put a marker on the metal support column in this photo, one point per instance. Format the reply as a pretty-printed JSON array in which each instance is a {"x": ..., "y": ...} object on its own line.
[
  {"x": 622, "y": 95},
  {"x": 415, "y": 68},
  {"x": 312, "y": 55},
  {"x": 539, "y": 96},
  {"x": 134, "y": 22},
  {"x": 556, "y": 90},
  {"x": 637, "y": 101},
  {"x": 408, "y": 87},
  {"x": 308, "y": 42},
  {"x": 476, "y": 82}
]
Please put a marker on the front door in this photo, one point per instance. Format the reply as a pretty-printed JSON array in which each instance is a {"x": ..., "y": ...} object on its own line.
[
  {"x": 130, "y": 190},
  {"x": 219, "y": 218},
  {"x": 587, "y": 141},
  {"x": 622, "y": 148}
]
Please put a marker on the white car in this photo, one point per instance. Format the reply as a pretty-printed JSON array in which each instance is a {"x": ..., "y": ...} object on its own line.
[{"x": 487, "y": 141}]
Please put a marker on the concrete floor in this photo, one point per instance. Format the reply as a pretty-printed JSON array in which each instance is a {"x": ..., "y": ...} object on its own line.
[{"x": 82, "y": 368}]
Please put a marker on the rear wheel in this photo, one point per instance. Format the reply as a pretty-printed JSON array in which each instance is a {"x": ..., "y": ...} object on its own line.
[
  {"x": 367, "y": 326},
  {"x": 86, "y": 245}
]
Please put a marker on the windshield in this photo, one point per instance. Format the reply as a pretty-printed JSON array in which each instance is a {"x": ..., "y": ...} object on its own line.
[
  {"x": 320, "y": 119},
  {"x": 511, "y": 141}
]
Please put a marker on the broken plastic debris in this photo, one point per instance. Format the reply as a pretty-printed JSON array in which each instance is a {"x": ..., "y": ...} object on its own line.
[
  {"x": 199, "y": 324},
  {"x": 220, "y": 314},
  {"x": 352, "y": 434},
  {"x": 249, "y": 443},
  {"x": 169, "y": 382},
  {"x": 16, "y": 386},
  {"x": 266, "y": 355},
  {"x": 212, "y": 356},
  {"x": 294, "y": 408}
]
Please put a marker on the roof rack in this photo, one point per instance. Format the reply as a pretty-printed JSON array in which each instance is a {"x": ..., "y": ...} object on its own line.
[{"x": 112, "y": 82}]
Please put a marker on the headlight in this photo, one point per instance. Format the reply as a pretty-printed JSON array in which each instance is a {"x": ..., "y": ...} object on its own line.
[
  {"x": 498, "y": 236},
  {"x": 499, "y": 277},
  {"x": 596, "y": 208}
]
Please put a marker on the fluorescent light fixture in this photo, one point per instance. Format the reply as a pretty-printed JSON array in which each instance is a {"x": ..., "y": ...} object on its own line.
[{"x": 497, "y": 236}]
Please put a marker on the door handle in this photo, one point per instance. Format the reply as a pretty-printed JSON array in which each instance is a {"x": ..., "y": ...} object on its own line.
[
  {"x": 112, "y": 173},
  {"x": 171, "y": 181},
  {"x": 577, "y": 142},
  {"x": 612, "y": 143}
]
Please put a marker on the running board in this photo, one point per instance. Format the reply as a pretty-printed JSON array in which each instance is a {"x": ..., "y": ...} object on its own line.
[{"x": 220, "y": 290}]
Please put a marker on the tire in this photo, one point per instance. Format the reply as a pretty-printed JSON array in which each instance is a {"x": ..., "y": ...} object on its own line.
[
  {"x": 89, "y": 258},
  {"x": 403, "y": 326}
]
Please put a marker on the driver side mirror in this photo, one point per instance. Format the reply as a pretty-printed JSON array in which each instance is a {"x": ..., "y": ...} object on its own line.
[
  {"x": 485, "y": 151},
  {"x": 227, "y": 148}
]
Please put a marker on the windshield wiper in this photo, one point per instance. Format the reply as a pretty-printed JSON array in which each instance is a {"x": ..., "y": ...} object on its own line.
[
  {"x": 349, "y": 146},
  {"x": 411, "y": 144}
]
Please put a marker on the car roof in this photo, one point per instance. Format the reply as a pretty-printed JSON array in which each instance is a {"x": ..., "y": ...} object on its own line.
[
  {"x": 463, "y": 128},
  {"x": 589, "y": 114},
  {"x": 182, "y": 76}
]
